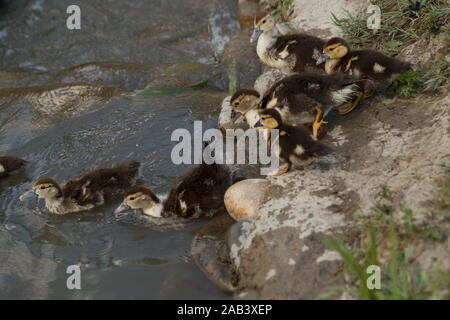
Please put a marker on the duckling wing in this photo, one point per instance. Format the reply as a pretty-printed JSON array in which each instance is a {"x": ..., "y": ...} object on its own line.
[
  {"x": 301, "y": 102},
  {"x": 300, "y": 48},
  {"x": 376, "y": 65},
  {"x": 103, "y": 184},
  {"x": 303, "y": 146},
  {"x": 199, "y": 191}
]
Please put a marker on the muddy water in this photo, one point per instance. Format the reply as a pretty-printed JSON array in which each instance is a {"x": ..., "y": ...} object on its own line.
[{"x": 67, "y": 106}]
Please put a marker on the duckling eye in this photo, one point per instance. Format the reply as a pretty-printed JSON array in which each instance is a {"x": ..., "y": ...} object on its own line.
[
  {"x": 42, "y": 188},
  {"x": 236, "y": 104},
  {"x": 331, "y": 49},
  {"x": 264, "y": 21},
  {"x": 131, "y": 198}
]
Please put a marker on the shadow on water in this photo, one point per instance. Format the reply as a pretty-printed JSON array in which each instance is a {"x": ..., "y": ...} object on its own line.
[{"x": 66, "y": 106}]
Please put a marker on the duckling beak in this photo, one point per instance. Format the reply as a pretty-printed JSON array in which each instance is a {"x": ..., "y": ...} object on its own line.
[
  {"x": 27, "y": 195},
  {"x": 256, "y": 33},
  {"x": 123, "y": 207},
  {"x": 234, "y": 116},
  {"x": 322, "y": 58}
]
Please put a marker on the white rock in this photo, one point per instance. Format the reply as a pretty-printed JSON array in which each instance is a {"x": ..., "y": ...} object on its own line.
[
  {"x": 267, "y": 79},
  {"x": 242, "y": 200}
]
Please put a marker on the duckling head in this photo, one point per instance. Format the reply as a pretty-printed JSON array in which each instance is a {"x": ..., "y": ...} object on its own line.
[
  {"x": 335, "y": 48},
  {"x": 243, "y": 101},
  {"x": 270, "y": 118},
  {"x": 263, "y": 23},
  {"x": 141, "y": 197},
  {"x": 44, "y": 188}
]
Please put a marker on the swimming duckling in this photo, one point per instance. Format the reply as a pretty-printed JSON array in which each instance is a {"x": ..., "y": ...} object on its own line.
[
  {"x": 9, "y": 164},
  {"x": 289, "y": 53},
  {"x": 85, "y": 191},
  {"x": 200, "y": 192},
  {"x": 362, "y": 64},
  {"x": 296, "y": 145},
  {"x": 309, "y": 97},
  {"x": 244, "y": 102}
]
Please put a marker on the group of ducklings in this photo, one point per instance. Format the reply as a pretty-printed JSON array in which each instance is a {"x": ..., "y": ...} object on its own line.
[
  {"x": 320, "y": 75},
  {"x": 199, "y": 192}
]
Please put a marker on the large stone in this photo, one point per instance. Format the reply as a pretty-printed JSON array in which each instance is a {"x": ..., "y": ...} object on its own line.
[
  {"x": 395, "y": 142},
  {"x": 318, "y": 22},
  {"x": 242, "y": 200},
  {"x": 267, "y": 79},
  {"x": 210, "y": 251},
  {"x": 241, "y": 53}
]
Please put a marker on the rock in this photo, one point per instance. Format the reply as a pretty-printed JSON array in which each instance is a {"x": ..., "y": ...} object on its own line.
[
  {"x": 242, "y": 53},
  {"x": 426, "y": 51},
  {"x": 242, "y": 200},
  {"x": 164, "y": 82},
  {"x": 236, "y": 238},
  {"x": 267, "y": 79},
  {"x": 64, "y": 98},
  {"x": 281, "y": 254},
  {"x": 247, "y": 9},
  {"x": 318, "y": 22},
  {"x": 210, "y": 252}
]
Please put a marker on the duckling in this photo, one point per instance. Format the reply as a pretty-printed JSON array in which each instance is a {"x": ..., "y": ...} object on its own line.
[
  {"x": 290, "y": 53},
  {"x": 9, "y": 164},
  {"x": 244, "y": 102},
  {"x": 199, "y": 192},
  {"x": 86, "y": 191},
  {"x": 362, "y": 64},
  {"x": 296, "y": 145},
  {"x": 308, "y": 97}
]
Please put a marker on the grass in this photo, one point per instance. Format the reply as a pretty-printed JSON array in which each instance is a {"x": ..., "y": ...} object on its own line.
[
  {"x": 232, "y": 77},
  {"x": 389, "y": 232},
  {"x": 283, "y": 10},
  {"x": 406, "y": 84},
  {"x": 400, "y": 27}
]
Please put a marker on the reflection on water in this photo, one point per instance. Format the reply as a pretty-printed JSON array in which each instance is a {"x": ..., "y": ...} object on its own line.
[{"x": 66, "y": 106}]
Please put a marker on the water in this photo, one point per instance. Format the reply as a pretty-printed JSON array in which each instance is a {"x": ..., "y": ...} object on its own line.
[{"x": 66, "y": 106}]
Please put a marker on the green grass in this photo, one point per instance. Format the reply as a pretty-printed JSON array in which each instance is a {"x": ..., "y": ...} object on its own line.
[
  {"x": 438, "y": 75},
  {"x": 232, "y": 77},
  {"x": 406, "y": 84},
  {"x": 400, "y": 278},
  {"x": 283, "y": 10},
  {"x": 397, "y": 26}
]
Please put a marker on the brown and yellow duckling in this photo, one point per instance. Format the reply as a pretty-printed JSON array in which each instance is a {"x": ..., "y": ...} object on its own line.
[
  {"x": 86, "y": 191},
  {"x": 244, "y": 102},
  {"x": 362, "y": 64},
  {"x": 308, "y": 97},
  {"x": 296, "y": 145},
  {"x": 200, "y": 192},
  {"x": 10, "y": 164},
  {"x": 290, "y": 53}
]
